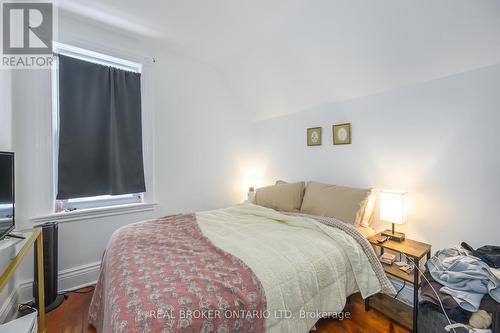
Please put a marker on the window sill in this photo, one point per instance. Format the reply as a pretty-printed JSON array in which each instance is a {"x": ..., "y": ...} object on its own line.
[{"x": 92, "y": 213}]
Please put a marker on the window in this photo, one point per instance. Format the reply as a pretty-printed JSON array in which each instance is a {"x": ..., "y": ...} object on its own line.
[
  {"x": 98, "y": 201},
  {"x": 97, "y": 130}
]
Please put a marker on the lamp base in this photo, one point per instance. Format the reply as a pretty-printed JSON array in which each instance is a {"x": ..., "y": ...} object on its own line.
[{"x": 394, "y": 235}]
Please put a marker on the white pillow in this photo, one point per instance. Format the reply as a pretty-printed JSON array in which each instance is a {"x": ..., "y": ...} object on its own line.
[{"x": 370, "y": 205}]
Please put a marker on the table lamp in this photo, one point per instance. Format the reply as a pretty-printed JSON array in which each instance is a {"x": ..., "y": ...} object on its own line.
[{"x": 393, "y": 209}]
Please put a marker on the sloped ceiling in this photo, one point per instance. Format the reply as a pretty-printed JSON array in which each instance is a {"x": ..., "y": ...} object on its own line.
[{"x": 283, "y": 56}]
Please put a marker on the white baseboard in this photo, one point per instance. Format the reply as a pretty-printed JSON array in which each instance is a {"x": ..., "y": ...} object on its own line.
[
  {"x": 69, "y": 279},
  {"x": 79, "y": 277},
  {"x": 8, "y": 308}
]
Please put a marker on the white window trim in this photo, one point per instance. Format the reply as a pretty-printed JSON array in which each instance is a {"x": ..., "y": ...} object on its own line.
[
  {"x": 101, "y": 201},
  {"x": 95, "y": 57},
  {"x": 93, "y": 213},
  {"x": 76, "y": 209}
]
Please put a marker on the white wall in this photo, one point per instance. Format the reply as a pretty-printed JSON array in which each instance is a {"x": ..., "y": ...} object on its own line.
[
  {"x": 200, "y": 135},
  {"x": 438, "y": 141},
  {"x": 5, "y": 145},
  {"x": 81, "y": 243},
  {"x": 5, "y": 110},
  {"x": 321, "y": 51},
  {"x": 197, "y": 147},
  {"x": 191, "y": 131}
]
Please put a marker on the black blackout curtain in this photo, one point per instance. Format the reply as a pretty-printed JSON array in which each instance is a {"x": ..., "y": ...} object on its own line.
[{"x": 100, "y": 132}]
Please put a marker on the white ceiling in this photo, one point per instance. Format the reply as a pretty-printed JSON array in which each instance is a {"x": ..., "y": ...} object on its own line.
[{"x": 282, "y": 56}]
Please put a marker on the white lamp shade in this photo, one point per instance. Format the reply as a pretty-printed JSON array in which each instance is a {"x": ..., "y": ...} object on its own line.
[{"x": 393, "y": 207}]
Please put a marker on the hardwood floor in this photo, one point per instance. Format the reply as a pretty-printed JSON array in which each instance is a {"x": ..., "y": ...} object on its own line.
[
  {"x": 360, "y": 321},
  {"x": 71, "y": 317}
]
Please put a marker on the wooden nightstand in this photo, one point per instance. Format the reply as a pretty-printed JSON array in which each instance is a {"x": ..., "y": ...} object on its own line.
[{"x": 393, "y": 308}]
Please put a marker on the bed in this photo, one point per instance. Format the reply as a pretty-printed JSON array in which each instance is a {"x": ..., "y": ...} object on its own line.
[{"x": 244, "y": 268}]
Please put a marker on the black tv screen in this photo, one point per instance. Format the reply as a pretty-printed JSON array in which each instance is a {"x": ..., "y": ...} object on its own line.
[{"x": 6, "y": 193}]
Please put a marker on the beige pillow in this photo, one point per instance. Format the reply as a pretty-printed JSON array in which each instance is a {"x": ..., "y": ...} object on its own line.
[
  {"x": 284, "y": 197},
  {"x": 367, "y": 219},
  {"x": 344, "y": 203}
]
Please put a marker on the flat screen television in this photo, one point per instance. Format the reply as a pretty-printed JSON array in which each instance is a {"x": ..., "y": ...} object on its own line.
[{"x": 7, "y": 202}]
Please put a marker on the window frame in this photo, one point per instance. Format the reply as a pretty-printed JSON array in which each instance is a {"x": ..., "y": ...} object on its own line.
[{"x": 102, "y": 201}]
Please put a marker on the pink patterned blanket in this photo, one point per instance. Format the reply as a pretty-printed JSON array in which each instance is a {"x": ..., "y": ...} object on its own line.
[{"x": 166, "y": 276}]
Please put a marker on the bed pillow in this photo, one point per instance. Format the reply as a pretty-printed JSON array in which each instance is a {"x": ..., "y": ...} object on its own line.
[
  {"x": 367, "y": 220},
  {"x": 283, "y": 197},
  {"x": 344, "y": 203}
]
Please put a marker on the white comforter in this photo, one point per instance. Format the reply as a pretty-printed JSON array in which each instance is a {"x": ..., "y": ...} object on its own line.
[{"x": 305, "y": 267}]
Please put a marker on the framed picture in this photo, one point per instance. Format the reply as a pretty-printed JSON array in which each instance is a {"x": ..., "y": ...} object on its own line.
[
  {"x": 342, "y": 134},
  {"x": 314, "y": 136}
]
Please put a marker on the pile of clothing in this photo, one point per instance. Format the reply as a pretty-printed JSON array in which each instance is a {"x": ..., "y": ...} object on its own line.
[{"x": 466, "y": 282}]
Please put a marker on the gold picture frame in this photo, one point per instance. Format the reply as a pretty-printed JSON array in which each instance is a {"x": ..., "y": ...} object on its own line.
[
  {"x": 314, "y": 136},
  {"x": 342, "y": 134}
]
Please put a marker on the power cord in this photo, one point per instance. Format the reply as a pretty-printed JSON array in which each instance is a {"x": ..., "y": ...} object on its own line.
[
  {"x": 91, "y": 289},
  {"x": 30, "y": 306},
  {"x": 26, "y": 307},
  {"x": 437, "y": 295},
  {"x": 78, "y": 291},
  {"x": 400, "y": 290}
]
